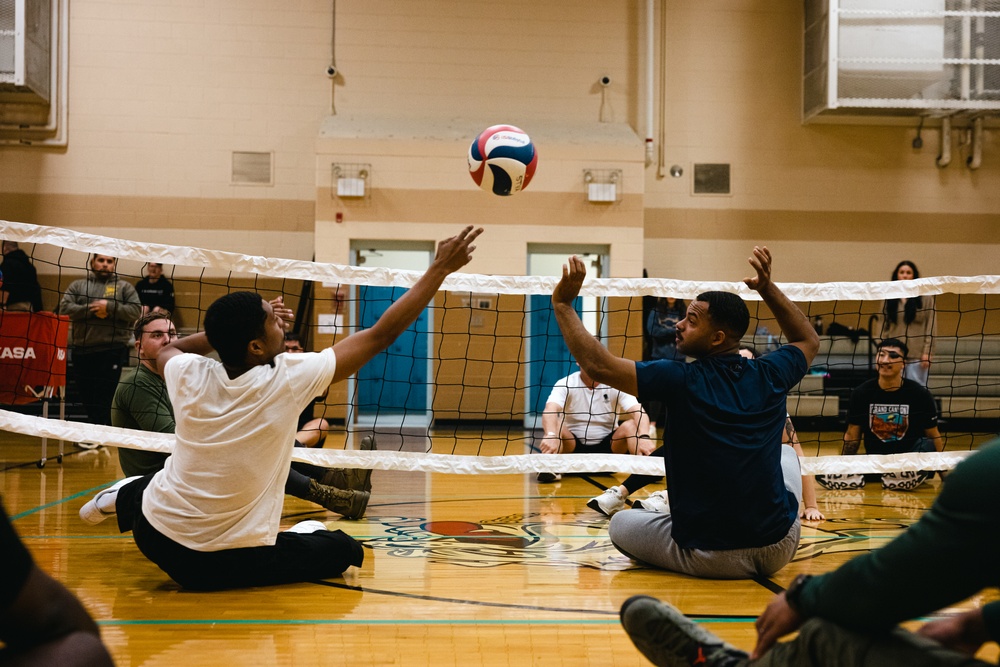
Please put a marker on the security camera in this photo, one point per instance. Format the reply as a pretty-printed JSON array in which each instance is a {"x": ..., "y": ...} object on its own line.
[
  {"x": 331, "y": 71},
  {"x": 605, "y": 81}
]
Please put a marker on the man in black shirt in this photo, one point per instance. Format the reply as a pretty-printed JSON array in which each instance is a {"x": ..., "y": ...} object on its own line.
[{"x": 155, "y": 291}]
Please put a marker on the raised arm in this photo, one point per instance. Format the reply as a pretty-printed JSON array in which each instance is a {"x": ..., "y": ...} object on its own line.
[
  {"x": 194, "y": 344},
  {"x": 793, "y": 323},
  {"x": 359, "y": 348},
  {"x": 594, "y": 358}
]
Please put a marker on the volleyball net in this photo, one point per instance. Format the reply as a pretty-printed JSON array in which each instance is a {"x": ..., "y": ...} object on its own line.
[{"x": 463, "y": 390}]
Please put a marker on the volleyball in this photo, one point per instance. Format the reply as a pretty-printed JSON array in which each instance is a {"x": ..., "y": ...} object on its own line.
[{"x": 502, "y": 160}]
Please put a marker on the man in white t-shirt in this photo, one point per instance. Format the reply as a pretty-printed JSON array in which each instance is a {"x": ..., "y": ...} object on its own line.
[
  {"x": 210, "y": 518},
  {"x": 581, "y": 415}
]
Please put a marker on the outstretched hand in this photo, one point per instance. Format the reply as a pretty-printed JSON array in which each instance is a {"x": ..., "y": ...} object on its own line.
[
  {"x": 568, "y": 287},
  {"x": 964, "y": 633},
  {"x": 286, "y": 314},
  {"x": 761, "y": 262},
  {"x": 455, "y": 252}
]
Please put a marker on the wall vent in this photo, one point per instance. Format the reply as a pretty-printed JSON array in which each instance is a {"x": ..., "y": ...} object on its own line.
[
  {"x": 253, "y": 168},
  {"x": 711, "y": 179}
]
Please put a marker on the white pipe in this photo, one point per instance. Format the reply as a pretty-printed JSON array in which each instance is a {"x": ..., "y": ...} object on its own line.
[
  {"x": 976, "y": 156},
  {"x": 944, "y": 154},
  {"x": 649, "y": 81},
  {"x": 661, "y": 100}
]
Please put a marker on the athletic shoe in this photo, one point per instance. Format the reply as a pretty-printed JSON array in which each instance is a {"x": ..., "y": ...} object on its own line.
[
  {"x": 358, "y": 479},
  {"x": 349, "y": 503},
  {"x": 91, "y": 511},
  {"x": 609, "y": 502},
  {"x": 841, "y": 482},
  {"x": 87, "y": 445},
  {"x": 310, "y": 526},
  {"x": 654, "y": 502},
  {"x": 549, "y": 477},
  {"x": 906, "y": 480},
  {"x": 668, "y": 638}
]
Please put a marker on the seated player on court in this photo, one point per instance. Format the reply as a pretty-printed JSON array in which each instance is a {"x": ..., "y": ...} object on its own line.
[
  {"x": 41, "y": 622},
  {"x": 896, "y": 415},
  {"x": 613, "y": 499},
  {"x": 581, "y": 416},
  {"x": 732, "y": 489},
  {"x": 142, "y": 403},
  {"x": 210, "y": 518},
  {"x": 850, "y": 616}
]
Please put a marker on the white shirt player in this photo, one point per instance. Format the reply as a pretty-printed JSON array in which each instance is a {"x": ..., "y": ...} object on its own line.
[{"x": 590, "y": 414}]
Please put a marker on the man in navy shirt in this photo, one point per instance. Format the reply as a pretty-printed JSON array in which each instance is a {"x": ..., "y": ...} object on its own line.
[{"x": 733, "y": 515}]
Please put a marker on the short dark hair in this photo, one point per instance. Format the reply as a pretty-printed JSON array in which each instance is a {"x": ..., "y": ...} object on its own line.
[
  {"x": 140, "y": 324},
  {"x": 232, "y": 321},
  {"x": 895, "y": 342},
  {"x": 728, "y": 312}
]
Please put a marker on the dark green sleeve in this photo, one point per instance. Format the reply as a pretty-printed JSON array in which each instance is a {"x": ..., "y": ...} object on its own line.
[
  {"x": 947, "y": 556},
  {"x": 991, "y": 614},
  {"x": 17, "y": 561},
  {"x": 145, "y": 405}
]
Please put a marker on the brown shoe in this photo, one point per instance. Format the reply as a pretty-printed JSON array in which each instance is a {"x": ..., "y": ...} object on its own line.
[
  {"x": 358, "y": 479},
  {"x": 349, "y": 503}
]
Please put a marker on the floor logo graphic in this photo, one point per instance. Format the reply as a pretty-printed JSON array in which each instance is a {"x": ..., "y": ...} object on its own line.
[{"x": 525, "y": 539}]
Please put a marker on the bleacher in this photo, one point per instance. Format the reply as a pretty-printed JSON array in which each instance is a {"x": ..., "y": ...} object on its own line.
[{"x": 964, "y": 378}]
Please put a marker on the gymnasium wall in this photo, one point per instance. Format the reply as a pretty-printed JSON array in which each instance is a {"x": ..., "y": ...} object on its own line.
[{"x": 161, "y": 94}]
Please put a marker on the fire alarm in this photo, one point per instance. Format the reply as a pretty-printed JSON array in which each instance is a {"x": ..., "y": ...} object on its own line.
[{"x": 340, "y": 217}]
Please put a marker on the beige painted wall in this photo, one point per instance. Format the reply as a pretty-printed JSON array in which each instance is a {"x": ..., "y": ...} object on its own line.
[{"x": 161, "y": 94}]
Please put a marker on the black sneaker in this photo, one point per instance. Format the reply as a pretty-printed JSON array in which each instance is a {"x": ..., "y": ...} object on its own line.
[
  {"x": 549, "y": 477},
  {"x": 668, "y": 638}
]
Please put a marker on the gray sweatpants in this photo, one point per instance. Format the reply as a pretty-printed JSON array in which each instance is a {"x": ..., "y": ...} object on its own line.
[{"x": 648, "y": 536}]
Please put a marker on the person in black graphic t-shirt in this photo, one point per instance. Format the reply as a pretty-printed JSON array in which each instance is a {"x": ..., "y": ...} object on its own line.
[{"x": 895, "y": 415}]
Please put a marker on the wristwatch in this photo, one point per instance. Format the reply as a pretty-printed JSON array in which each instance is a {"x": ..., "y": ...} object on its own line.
[{"x": 794, "y": 591}]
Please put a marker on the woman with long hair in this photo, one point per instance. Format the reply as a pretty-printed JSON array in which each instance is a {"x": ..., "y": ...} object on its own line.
[{"x": 913, "y": 321}]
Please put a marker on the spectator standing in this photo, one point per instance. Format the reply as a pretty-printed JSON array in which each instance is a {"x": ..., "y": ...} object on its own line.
[
  {"x": 101, "y": 308},
  {"x": 20, "y": 290}
]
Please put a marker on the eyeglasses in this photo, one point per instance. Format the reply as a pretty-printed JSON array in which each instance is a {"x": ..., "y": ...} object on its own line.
[
  {"x": 892, "y": 355},
  {"x": 160, "y": 334}
]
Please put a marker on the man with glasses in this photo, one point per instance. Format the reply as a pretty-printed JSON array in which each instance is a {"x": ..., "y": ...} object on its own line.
[
  {"x": 141, "y": 401},
  {"x": 895, "y": 415}
]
